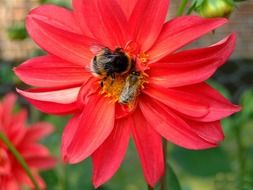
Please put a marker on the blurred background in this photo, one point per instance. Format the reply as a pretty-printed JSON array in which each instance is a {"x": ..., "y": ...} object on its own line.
[{"x": 228, "y": 167}]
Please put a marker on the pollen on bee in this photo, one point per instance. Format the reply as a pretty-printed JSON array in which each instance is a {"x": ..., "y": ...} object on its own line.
[{"x": 112, "y": 87}]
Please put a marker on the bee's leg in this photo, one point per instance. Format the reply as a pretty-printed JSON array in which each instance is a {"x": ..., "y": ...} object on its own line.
[
  {"x": 113, "y": 78},
  {"x": 102, "y": 81}
]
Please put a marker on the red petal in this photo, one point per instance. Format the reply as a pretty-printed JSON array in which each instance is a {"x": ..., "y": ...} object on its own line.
[
  {"x": 69, "y": 133},
  {"x": 9, "y": 183},
  {"x": 39, "y": 162},
  {"x": 64, "y": 44},
  {"x": 96, "y": 124},
  {"x": 50, "y": 71},
  {"x": 218, "y": 106},
  {"x": 210, "y": 131},
  {"x": 172, "y": 127},
  {"x": 56, "y": 16},
  {"x": 105, "y": 20},
  {"x": 127, "y": 6},
  {"x": 54, "y": 108},
  {"x": 180, "y": 101},
  {"x": 123, "y": 110},
  {"x": 38, "y": 131},
  {"x": 24, "y": 179},
  {"x": 30, "y": 150},
  {"x": 181, "y": 31},
  {"x": 149, "y": 146},
  {"x": 108, "y": 157},
  {"x": 16, "y": 129},
  {"x": 50, "y": 107},
  {"x": 147, "y": 20},
  {"x": 7, "y": 106},
  {"x": 60, "y": 96},
  {"x": 191, "y": 66}
]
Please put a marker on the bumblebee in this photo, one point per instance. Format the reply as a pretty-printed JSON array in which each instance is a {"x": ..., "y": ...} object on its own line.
[
  {"x": 108, "y": 63},
  {"x": 131, "y": 88}
]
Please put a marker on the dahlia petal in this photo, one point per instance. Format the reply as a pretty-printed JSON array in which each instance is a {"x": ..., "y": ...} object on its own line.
[
  {"x": 218, "y": 106},
  {"x": 41, "y": 162},
  {"x": 108, "y": 157},
  {"x": 61, "y": 43},
  {"x": 87, "y": 90},
  {"x": 191, "y": 66},
  {"x": 9, "y": 183},
  {"x": 56, "y": 16},
  {"x": 108, "y": 19},
  {"x": 54, "y": 108},
  {"x": 144, "y": 13},
  {"x": 182, "y": 102},
  {"x": 127, "y": 6},
  {"x": 60, "y": 96},
  {"x": 96, "y": 124},
  {"x": 28, "y": 150},
  {"x": 172, "y": 127},
  {"x": 7, "y": 106},
  {"x": 68, "y": 134},
  {"x": 164, "y": 76},
  {"x": 38, "y": 131},
  {"x": 50, "y": 71},
  {"x": 23, "y": 178},
  {"x": 78, "y": 14},
  {"x": 179, "y": 32},
  {"x": 16, "y": 130},
  {"x": 149, "y": 146},
  {"x": 210, "y": 131},
  {"x": 123, "y": 111}
]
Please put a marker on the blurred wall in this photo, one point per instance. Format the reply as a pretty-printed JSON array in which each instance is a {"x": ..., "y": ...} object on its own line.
[{"x": 14, "y": 11}]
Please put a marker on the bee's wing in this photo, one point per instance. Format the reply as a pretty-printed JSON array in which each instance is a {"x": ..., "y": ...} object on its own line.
[{"x": 95, "y": 48}]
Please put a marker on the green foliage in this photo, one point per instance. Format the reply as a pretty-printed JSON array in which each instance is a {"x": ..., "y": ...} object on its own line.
[
  {"x": 17, "y": 32},
  {"x": 203, "y": 163},
  {"x": 171, "y": 180},
  {"x": 64, "y": 3}
]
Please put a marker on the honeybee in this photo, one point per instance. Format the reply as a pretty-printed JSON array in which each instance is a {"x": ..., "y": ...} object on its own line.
[
  {"x": 108, "y": 63},
  {"x": 131, "y": 88}
]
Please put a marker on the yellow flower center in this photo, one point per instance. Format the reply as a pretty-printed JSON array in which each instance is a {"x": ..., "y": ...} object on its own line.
[{"x": 144, "y": 58}]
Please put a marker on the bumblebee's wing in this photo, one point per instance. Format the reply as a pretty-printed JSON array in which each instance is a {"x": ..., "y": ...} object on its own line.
[{"x": 95, "y": 49}]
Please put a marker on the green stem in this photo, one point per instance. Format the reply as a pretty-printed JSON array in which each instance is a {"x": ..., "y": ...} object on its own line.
[
  {"x": 19, "y": 158},
  {"x": 163, "y": 181},
  {"x": 65, "y": 177},
  {"x": 150, "y": 188},
  {"x": 191, "y": 8},
  {"x": 182, "y": 7},
  {"x": 241, "y": 155}
]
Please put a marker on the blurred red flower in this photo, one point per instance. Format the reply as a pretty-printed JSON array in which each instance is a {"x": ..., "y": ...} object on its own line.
[
  {"x": 25, "y": 139},
  {"x": 115, "y": 65}
]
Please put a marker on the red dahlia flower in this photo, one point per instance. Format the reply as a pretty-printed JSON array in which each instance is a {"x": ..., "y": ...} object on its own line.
[
  {"x": 115, "y": 65},
  {"x": 12, "y": 175}
]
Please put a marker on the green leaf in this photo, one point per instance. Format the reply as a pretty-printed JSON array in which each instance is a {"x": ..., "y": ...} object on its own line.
[
  {"x": 171, "y": 180},
  {"x": 202, "y": 163},
  {"x": 50, "y": 178}
]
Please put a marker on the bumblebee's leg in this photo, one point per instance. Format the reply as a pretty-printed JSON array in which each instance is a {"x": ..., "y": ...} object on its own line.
[
  {"x": 102, "y": 81},
  {"x": 113, "y": 78}
]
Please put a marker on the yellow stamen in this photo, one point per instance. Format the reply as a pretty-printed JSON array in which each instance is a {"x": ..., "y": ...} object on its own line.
[{"x": 143, "y": 57}]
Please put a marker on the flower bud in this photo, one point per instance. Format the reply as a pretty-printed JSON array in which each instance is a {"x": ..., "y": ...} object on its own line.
[{"x": 216, "y": 8}]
